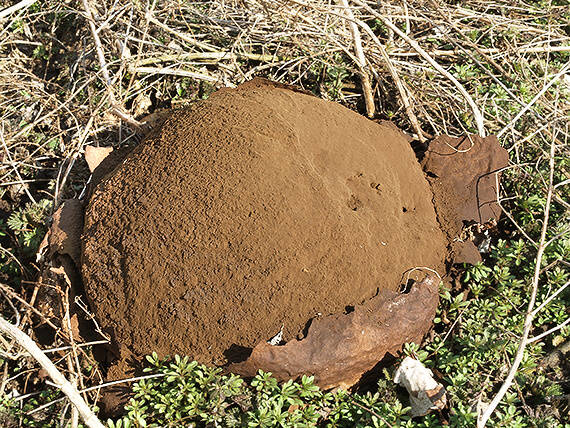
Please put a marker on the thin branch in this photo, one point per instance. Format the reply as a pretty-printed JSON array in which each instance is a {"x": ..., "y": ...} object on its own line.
[
  {"x": 96, "y": 387},
  {"x": 372, "y": 412},
  {"x": 484, "y": 417},
  {"x": 364, "y": 77},
  {"x": 21, "y": 5},
  {"x": 519, "y": 51},
  {"x": 60, "y": 381},
  {"x": 13, "y": 164},
  {"x": 174, "y": 72},
  {"x": 476, "y": 112},
  {"x": 552, "y": 330},
  {"x": 79, "y": 345},
  {"x": 16, "y": 311},
  {"x": 180, "y": 35},
  {"x": 115, "y": 108},
  {"x": 45, "y": 319},
  {"x": 403, "y": 94},
  {"x": 211, "y": 56},
  {"x": 536, "y": 97},
  {"x": 508, "y": 214}
]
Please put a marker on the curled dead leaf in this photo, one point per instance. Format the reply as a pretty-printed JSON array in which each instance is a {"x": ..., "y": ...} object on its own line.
[{"x": 340, "y": 348}]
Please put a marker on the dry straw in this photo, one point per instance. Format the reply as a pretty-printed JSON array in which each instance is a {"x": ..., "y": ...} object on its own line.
[{"x": 407, "y": 60}]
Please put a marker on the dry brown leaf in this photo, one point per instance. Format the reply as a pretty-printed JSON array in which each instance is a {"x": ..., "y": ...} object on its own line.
[
  {"x": 461, "y": 175},
  {"x": 95, "y": 155},
  {"x": 64, "y": 236},
  {"x": 74, "y": 321},
  {"x": 61, "y": 271},
  {"x": 340, "y": 348}
]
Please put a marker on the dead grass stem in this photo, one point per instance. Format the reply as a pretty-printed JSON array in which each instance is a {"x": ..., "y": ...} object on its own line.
[{"x": 78, "y": 73}]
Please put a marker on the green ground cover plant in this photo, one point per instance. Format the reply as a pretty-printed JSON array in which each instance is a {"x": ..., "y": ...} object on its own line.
[{"x": 511, "y": 57}]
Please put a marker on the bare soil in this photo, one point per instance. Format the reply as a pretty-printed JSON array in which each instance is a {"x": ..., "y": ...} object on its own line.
[{"x": 258, "y": 208}]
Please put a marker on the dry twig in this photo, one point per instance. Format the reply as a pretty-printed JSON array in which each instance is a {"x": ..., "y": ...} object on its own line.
[
  {"x": 372, "y": 412},
  {"x": 115, "y": 108},
  {"x": 18, "y": 6},
  {"x": 403, "y": 94},
  {"x": 364, "y": 77},
  {"x": 524, "y": 341},
  {"x": 60, "y": 381},
  {"x": 545, "y": 88},
  {"x": 476, "y": 112}
]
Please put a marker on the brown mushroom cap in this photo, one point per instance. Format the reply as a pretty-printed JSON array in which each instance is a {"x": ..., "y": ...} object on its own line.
[{"x": 257, "y": 208}]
